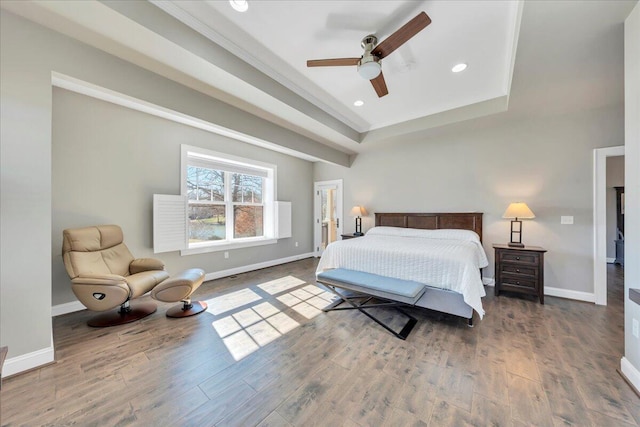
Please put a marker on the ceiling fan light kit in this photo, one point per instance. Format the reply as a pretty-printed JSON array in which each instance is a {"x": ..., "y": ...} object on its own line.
[{"x": 369, "y": 66}]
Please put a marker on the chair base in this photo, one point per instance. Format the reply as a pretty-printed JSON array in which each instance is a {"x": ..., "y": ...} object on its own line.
[
  {"x": 188, "y": 309},
  {"x": 120, "y": 317}
]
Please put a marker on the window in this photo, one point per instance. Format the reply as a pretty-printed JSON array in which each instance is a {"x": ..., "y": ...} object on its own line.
[{"x": 230, "y": 200}]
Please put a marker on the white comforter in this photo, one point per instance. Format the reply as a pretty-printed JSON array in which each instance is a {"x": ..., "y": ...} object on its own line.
[{"x": 446, "y": 259}]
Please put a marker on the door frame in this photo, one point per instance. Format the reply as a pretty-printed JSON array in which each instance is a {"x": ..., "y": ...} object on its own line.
[
  {"x": 600, "y": 220},
  {"x": 317, "y": 203}
]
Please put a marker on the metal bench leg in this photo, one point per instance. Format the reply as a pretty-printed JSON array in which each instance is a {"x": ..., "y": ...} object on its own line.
[{"x": 403, "y": 334}]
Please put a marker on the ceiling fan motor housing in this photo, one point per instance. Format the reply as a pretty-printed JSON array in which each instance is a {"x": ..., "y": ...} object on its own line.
[{"x": 368, "y": 43}]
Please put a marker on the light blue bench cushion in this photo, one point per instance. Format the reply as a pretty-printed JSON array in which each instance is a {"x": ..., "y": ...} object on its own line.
[{"x": 406, "y": 291}]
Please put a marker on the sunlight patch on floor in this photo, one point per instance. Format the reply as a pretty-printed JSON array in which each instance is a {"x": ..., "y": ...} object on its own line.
[
  {"x": 247, "y": 317},
  {"x": 306, "y": 310},
  {"x": 282, "y": 323},
  {"x": 231, "y": 301},
  {"x": 313, "y": 289},
  {"x": 256, "y": 326},
  {"x": 246, "y": 331},
  {"x": 265, "y": 310},
  {"x": 289, "y": 300},
  {"x": 240, "y": 345},
  {"x": 302, "y": 294},
  {"x": 226, "y": 326},
  {"x": 263, "y": 333},
  {"x": 308, "y": 301},
  {"x": 280, "y": 285}
]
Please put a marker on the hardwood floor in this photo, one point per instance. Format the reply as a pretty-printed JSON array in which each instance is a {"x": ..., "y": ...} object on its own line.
[{"x": 523, "y": 364}]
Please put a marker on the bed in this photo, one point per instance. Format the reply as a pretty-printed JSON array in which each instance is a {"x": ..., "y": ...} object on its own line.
[{"x": 447, "y": 259}]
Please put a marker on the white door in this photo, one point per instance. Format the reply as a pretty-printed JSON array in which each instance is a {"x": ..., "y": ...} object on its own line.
[{"x": 327, "y": 213}]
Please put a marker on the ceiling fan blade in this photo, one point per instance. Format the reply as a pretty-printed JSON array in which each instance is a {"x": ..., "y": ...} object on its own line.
[
  {"x": 402, "y": 35},
  {"x": 380, "y": 85},
  {"x": 335, "y": 62}
]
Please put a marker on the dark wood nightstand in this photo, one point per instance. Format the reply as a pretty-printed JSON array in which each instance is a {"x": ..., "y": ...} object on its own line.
[
  {"x": 520, "y": 270},
  {"x": 350, "y": 236}
]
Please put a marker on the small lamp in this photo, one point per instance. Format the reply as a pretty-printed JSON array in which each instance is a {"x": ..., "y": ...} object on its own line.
[
  {"x": 358, "y": 211},
  {"x": 517, "y": 210}
]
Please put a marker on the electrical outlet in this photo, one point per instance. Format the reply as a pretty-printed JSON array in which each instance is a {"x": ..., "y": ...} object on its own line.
[
  {"x": 226, "y": 255},
  {"x": 636, "y": 328},
  {"x": 566, "y": 220},
  {"x": 296, "y": 244}
]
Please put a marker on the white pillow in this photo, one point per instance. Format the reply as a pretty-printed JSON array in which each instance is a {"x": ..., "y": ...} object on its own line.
[{"x": 452, "y": 234}]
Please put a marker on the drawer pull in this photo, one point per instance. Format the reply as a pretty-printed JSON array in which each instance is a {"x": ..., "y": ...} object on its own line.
[
  {"x": 517, "y": 270},
  {"x": 517, "y": 283},
  {"x": 518, "y": 258}
]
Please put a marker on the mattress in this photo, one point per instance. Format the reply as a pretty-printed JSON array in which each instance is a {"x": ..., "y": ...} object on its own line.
[{"x": 443, "y": 259}]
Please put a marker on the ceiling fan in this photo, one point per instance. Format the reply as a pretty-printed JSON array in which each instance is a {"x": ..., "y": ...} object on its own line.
[{"x": 369, "y": 66}]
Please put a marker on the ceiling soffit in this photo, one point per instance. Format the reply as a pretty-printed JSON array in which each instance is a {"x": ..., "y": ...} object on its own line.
[{"x": 278, "y": 37}]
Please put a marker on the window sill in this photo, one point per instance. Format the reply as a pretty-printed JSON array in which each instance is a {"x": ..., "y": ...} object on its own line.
[{"x": 217, "y": 247}]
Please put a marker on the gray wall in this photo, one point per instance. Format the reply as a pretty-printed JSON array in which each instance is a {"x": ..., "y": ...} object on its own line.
[
  {"x": 484, "y": 165},
  {"x": 29, "y": 54},
  {"x": 632, "y": 185},
  {"x": 108, "y": 161},
  {"x": 615, "y": 178},
  {"x": 25, "y": 193}
]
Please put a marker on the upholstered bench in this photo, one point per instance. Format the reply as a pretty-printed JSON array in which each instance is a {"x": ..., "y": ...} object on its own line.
[
  {"x": 179, "y": 288},
  {"x": 391, "y": 291}
]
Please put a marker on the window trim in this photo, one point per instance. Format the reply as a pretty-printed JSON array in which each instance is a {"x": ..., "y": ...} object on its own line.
[{"x": 269, "y": 201}]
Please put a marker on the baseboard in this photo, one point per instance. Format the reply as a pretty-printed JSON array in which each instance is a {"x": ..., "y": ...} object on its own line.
[
  {"x": 630, "y": 373},
  {"x": 569, "y": 294},
  {"x": 258, "y": 266},
  {"x": 69, "y": 307},
  {"x": 25, "y": 362},
  {"x": 554, "y": 292},
  {"x": 611, "y": 260}
]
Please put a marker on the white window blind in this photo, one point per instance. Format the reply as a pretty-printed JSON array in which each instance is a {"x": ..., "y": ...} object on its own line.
[
  {"x": 169, "y": 223},
  {"x": 217, "y": 164}
]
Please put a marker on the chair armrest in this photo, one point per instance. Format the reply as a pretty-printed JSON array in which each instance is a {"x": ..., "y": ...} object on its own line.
[
  {"x": 145, "y": 264},
  {"x": 99, "y": 279}
]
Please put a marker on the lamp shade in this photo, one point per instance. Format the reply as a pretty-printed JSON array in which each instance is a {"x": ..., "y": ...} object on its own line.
[
  {"x": 518, "y": 210},
  {"x": 358, "y": 211}
]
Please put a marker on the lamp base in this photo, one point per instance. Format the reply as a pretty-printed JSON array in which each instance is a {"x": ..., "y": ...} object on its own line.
[
  {"x": 358, "y": 234},
  {"x": 516, "y": 245}
]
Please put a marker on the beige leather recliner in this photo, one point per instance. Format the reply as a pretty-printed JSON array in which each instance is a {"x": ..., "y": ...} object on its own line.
[{"x": 105, "y": 275}]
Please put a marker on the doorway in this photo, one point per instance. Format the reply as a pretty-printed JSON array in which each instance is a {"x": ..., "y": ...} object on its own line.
[
  {"x": 600, "y": 220},
  {"x": 327, "y": 211}
]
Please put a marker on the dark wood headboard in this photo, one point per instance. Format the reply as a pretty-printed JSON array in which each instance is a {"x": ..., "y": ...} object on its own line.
[{"x": 432, "y": 221}]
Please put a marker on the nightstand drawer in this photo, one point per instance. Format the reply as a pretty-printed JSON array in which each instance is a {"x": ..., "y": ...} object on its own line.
[
  {"x": 520, "y": 257},
  {"x": 515, "y": 268},
  {"x": 518, "y": 280}
]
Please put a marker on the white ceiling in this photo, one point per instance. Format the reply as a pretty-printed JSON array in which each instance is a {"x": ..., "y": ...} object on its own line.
[
  {"x": 569, "y": 56},
  {"x": 277, "y": 37}
]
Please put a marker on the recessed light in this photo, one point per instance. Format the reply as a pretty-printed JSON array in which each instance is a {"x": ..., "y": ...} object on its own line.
[
  {"x": 459, "y": 67},
  {"x": 239, "y": 5},
  {"x": 358, "y": 103}
]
